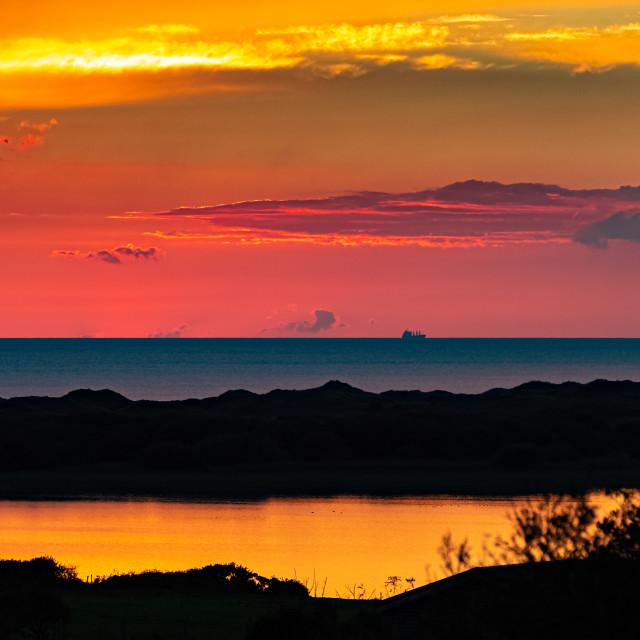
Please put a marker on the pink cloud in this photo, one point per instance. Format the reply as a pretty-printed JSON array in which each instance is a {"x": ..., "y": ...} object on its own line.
[
  {"x": 324, "y": 321},
  {"x": 471, "y": 213}
]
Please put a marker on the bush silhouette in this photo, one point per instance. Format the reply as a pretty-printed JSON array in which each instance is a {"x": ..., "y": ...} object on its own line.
[
  {"x": 288, "y": 587},
  {"x": 557, "y": 528},
  {"x": 43, "y": 571}
]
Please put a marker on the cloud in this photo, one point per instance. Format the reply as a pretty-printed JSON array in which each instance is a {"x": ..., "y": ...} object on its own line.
[
  {"x": 581, "y": 49},
  {"x": 173, "y": 333},
  {"x": 30, "y": 140},
  {"x": 168, "y": 29},
  {"x": 556, "y": 35},
  {"x": 159, "y": 60},
  {"x": 442, "y": 61},
  {"x": 40, "y": 127},
  {"x": 623, "y": 225},
  {"x": 162, "y": 47},
  {"x": 469, "y": 18},
  {"x": 30, "y": 134},
  {"x": 463, "y": 214},
  {"x": 127, "y": 253},
  {"x": 324, "y": 321}
]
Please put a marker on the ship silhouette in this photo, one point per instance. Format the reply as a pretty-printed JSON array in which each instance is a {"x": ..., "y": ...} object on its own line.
[{"x": 412, "y": 335}]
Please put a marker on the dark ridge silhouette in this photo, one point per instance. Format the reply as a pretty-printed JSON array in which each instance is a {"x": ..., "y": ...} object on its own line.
[
  {"x": 527, "y": 427},
  {"x": 104, "y": 398},
  {"x": 336, "y": 385},
  {"x": 592, "y": 599},
  {"x": 235, "y": 396}
]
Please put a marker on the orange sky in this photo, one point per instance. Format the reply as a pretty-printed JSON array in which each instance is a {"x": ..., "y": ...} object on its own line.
[{"x": 127, "y": 130}]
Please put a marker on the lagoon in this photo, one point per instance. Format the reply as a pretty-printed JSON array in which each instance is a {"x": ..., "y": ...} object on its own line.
[{"x": 346, "y": 540}]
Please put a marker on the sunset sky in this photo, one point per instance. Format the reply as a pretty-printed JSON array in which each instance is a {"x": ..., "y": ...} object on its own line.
[{"x": 322, "y": 169}]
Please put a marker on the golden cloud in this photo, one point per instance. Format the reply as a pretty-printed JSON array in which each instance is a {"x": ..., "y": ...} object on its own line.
[
  {"x": 593, "y": 49},
  {"x": 171, "y": 59},
  {"x": 442, "y": 61},
  {"x": 283, "y": 48},
  {"x": 168, "y": 29},
  {"x": 557, "y": 35}
]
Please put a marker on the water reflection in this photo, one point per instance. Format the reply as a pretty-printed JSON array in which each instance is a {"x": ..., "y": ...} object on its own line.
[{"x": 348, "y": 540}]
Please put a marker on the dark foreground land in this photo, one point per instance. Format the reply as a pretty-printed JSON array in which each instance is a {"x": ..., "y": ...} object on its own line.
[
  {"x": 538, "y": 437},
  {"x": 43, "y": 600},
  {"x": 589, "y": 599}
]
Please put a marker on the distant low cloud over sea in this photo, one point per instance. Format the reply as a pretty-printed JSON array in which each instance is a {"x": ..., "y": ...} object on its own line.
[
  {"x": 324, "y": 320},
  {"x": 172, "y": 333},
  {"x": 471, "y": 213}
]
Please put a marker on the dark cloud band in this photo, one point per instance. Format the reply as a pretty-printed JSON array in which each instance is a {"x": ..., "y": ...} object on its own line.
[
  {"x": 464, "y": 213},
  {"x": 623, "y": 225}
]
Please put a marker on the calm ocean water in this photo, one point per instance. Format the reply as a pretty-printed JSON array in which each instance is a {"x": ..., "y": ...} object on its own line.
[{"x": 197, "y": 368}]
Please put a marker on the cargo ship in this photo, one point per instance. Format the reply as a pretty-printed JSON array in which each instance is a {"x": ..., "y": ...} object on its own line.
[{"x": 412, "y": 335}]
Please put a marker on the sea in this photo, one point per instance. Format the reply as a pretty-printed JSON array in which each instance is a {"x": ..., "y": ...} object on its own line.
[
  {"x": 332, "y": 544},
  {"x": 180, "y": 368}
]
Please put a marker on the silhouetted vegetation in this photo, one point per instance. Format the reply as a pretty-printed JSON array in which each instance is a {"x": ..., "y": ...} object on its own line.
[
  {"x": 216, "y": 579},
  {"x": 29, "y": 605},
  {"x": 41, "y": 572},
  {"x": 567, "y": 570},
  {"x": 577, "y": 575},
  {"x": 39, "y": 597},
  {"x": 556, "y": 528},
  {"x": 510, "y": 429}
]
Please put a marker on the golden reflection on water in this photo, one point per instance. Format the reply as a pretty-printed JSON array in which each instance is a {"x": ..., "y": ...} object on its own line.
[{"x": 348, "y": 540}]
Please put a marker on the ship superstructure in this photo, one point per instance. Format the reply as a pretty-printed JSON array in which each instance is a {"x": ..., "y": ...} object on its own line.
[{"x": 411, "y": 335}]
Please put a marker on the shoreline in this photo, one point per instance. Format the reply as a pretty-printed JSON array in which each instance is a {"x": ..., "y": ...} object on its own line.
[{"x": 372, "y": 479}]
